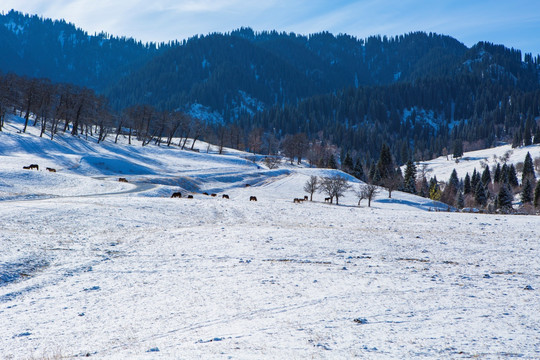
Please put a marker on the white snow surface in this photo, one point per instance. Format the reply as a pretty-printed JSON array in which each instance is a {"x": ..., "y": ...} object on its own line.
[
  {"x": 443, "y": 166},
  {"x": 90, "y": 266}
]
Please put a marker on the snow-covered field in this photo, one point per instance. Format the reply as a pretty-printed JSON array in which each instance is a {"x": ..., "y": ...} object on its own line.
[{"x": 93, "y": 267}]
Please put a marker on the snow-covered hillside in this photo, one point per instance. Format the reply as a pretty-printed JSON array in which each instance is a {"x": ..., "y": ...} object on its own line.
[
  {"x": 442, "y": 166},
  {"x": 90, "y": 266}
]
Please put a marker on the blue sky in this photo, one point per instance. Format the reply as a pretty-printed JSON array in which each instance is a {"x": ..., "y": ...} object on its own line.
[{"x": 514, "y": 23}]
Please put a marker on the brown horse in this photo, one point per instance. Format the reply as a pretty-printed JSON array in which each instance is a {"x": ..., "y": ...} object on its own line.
[
  {"x": 252, "y": 198},
  {"x": 213, "y": 195},
  {"x": 190, "y": 196},
  {"x": 225, "y": 196},
  {"x": 34, "y": 166},
  {"x": 123, "y": 180},
  {"x": 176, "y": 195},
  {"x": 51, "y": 170}
]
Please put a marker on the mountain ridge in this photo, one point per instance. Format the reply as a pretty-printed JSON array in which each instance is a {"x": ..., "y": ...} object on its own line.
[{"x": 357, "y": 93}]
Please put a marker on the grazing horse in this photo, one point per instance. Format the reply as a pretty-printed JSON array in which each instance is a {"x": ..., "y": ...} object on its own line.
[
  {"x": 205, "y": 193},
  {"x": 34, "y": 166},
  {"x": 225, "y": 196},
  {"x": 252, "y": 198},
  {"x": 327, "y": 199},
  {"x": 296, "y": 201},
  {"x": 190, "y": 196},
  {"x": 26, "y": 167},
  {"x": 213, "y": 195},
  {"x": 177, "y": 195},
  {"x": 51, "y": 170},
  {"x": 122, "y": 180}
]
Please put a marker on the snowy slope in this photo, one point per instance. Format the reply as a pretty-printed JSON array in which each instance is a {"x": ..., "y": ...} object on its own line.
[
  {"x": 93, "y": 267},
  {"x": 442, "y": 166}
]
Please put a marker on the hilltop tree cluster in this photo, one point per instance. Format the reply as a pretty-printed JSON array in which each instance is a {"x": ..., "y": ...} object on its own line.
[{"x": 492, "y": 189}]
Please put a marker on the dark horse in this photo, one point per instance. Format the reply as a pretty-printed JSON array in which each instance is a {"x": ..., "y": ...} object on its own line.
[
  {"x": 177, "y": 195},
  {"x": 252, "y": 198}
]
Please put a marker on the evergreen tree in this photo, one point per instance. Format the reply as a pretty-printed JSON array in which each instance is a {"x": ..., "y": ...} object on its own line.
[
  {"x": 480, "y": 194},
  {"x": 527, "y": 191},
  {"x": 458, "y": 148},
  {"x": 460, "y": 200},
  {"x": 405, "y": 152},
  {"x": 504, "y": 174},
  {"x": 409, "y": 180},
  {"x": 516, "y": 142},
  {"x": 453, "y": 182},
  {"x": 528, "y": 168},
  {"x": 527, "y": 136},
  {"x": 424, "y": 188},
  {"x": 376, "y": 179},
  {"x": 474, "y": 179},
  {"x": 332, "y": 162},
  {"x": 434, "y": 189},
  {"x": 497, "y": 174},
  {"x": 512, "y": 176},
  {"x": 385, "y": 165},
  {"x": 467, "y": 184},
  {"x": 348, "y": 163},
  {"x": 537, "y": 195},
  {"x": 486, "y": 176},
  {"x": 433, "y": 182},
  {"x": 372, "y": 172},
  {"x": 505, "y": 197},
  {"x": 358, "y": 171},
  {"x": 536, "y": 139}
]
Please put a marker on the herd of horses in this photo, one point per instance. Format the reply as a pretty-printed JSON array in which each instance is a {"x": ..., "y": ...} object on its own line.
[
  {"x": 36, "y": 167},
  {"x": 224, "y": 196},
  {"x": 179, "y": 194}
]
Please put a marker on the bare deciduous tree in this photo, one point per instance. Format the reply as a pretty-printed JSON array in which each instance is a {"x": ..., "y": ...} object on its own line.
[
  {"x": 334, "y": 186},
  {"x": 289, "y": 147},
  {"x": 270, "y": 144},
  {"x": 30, "y": 95},
  {"x": 367, "y": 191},
  {"x": 198, "y": 128},
  {"x": 392, "y": 183},
  {"x": 255, "y": 140},
  {"x": 311, "y": 185},
  {"x": 300, "y": 143},
  {"x": 272, "y": 162}
]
